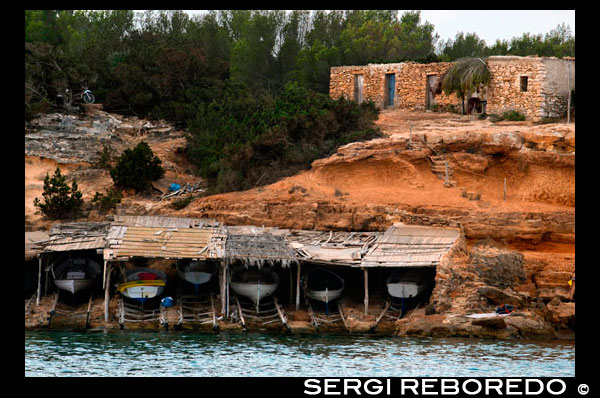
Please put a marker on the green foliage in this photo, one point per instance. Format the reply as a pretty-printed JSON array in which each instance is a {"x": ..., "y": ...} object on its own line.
[
  {"x": 243, "y": 140},
  {"x": 466, "y": 76},
  {"x": 179, "y": 204},
  {"x": 137, "y": 168},
  {"x": 60, "y": 201},
  {"x": 106, "y": 157},
  {"x": 513, "y": 115},
  {"x": 109, "y": 200},
  {"x": 469, "y": 45}
]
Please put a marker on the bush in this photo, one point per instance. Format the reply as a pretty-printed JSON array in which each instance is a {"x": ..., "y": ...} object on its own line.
[
  {"x": 244, "y": 139},
  {"x": 105, "y": 157},
  {"x": 181, "y": 203},
  {"x": 513, "y": 115},
  {"x": 137, "y": 168},
  {"x": 108, "y": 201},
  {"x": 60, "y": 201}
]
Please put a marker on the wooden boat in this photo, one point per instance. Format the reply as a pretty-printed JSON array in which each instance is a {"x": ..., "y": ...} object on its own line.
[
  {"x": 407, "y": 283},
  {"x": 75, "y": 274},
  {"x": 195, "y": 272},
  {"x": 143, "y": 284},
  {"x": 323, "y": 285},
  {"x": 255, "y": 284}
]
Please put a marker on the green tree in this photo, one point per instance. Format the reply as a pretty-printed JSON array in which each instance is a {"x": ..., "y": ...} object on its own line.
[
  {"x": 60, "y": 201},
  {"x": 137, "y": 168},
  {"x": 463, "y": 45}
]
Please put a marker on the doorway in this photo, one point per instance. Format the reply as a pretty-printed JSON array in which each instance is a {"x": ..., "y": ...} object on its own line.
[
  {"x": 390, "y": 88},
  {"x": 358, "y": 88},
  {"x": 432, "y": 81}
]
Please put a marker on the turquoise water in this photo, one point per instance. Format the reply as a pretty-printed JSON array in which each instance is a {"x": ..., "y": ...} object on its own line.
[{"x": 127, "y": 353}]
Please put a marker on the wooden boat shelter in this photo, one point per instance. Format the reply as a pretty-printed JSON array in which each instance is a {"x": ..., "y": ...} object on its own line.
[
  {"x": 127, "y": 237},
  {"x": 160, "y": 237},
  {"x": 258, "y": 246},
  {"x": 67, "y": 237}
]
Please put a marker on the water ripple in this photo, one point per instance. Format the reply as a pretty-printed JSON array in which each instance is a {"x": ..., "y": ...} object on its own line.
[{"x": 126, "y": 353}]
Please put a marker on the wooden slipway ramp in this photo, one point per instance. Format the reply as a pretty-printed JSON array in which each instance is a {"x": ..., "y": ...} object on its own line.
[
  {"x": 197, "y": 310},
  {"x": 268, "y": 312},
  {"x": 132, "y": 313},
  {"x": 64, "y": 315},
  {"x": 332, "y": 318}
]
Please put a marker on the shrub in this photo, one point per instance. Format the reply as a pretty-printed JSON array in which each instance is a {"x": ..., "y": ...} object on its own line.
[
  {"x": 105, "y": 157},
  {"x": 181, "y": 203},
  {"x": 108, "y": 201},
  {"x": 136, "y": 168},
  {"x": 513, "y": 116},
  {"x": 482, "y": 116},
  {"x": 60, "y": 201}
]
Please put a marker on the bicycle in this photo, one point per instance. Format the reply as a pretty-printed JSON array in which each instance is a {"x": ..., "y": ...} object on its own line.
[{"x": 86, "y": 96}]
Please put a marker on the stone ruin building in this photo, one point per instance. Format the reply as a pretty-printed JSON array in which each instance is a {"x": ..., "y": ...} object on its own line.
[{"x": 538, "y": 87}]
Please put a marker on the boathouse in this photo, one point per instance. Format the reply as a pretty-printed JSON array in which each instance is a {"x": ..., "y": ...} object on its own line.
[{"x": 363, "y": 258}]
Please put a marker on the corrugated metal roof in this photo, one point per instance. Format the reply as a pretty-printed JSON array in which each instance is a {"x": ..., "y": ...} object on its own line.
[
  {"x": 343, "y": 248},
  {"x": 157, "y": 242},
  {"x": 164, "y": 221},
  {"x": 76, "y": 236},
  {"x": 32, "y": 245},
  {"x": 410, "y": 246}
]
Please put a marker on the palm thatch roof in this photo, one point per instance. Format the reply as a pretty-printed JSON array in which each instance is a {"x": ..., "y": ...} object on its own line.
[
  {"x": 258, "y": 246},
  {"x": 466, "y": 76}
]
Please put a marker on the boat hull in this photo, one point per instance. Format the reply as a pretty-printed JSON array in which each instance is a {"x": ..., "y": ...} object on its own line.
[
  {"x": 141, "y": 286},
  {"x": 195, "y": 277},
  {"x": 317, "y": 283},
  {"x": 404, "y": 289},
  {"x": 254, "y": 291},
  {"x": 324, "y": 295},
  {"x": 74, "y": 285}
]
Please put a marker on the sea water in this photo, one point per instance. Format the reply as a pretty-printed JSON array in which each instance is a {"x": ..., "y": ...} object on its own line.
[{"x": 167, "y": 353}]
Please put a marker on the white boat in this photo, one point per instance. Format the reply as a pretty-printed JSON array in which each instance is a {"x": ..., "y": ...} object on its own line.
[
  {"x": 255, "y": 284},
  {"x": 407, "y": 283},
  {"x": 75, "y": 274},
  {"x": 323, "y": 285},
  {"x": 143, "y": 284},
  {"x": 195, "y": 272}
]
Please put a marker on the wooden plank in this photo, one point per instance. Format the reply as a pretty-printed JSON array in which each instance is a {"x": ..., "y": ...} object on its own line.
[
  {"x": 280, "y": 313},
  {"x": 39, "y": 289},
  {"x": 298, "y": 288},
  {"x": 107, "y": 293},
  {"x": 342, "y": 314},
  {"x": 241, "y": 313},
  {"x": 366, "y": 274}
]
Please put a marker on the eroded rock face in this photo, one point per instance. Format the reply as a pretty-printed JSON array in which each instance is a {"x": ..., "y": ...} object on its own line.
[{"x": 497, "y": 267}]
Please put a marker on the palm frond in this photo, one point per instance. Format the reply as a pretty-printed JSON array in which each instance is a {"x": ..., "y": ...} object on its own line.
[{"x": 465, "y": 76}]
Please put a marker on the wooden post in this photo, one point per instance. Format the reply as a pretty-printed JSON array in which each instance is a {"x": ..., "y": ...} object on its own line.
[
  {"x": 39, "y": 289},
  {"x": 46, "y": 283},
  {"x": 298, "y": 289},
  {"x": 291, "y": 284},
  {"x": 366, "y": 273},
  {"x": 505, "y": 189},
  {"x": 107, "y": 292},
  {"x": 569, "y": 101},
  {"x": 104, "y": 276},
  {"x": 223, "y": 287},
  {"x": 227, "y": 281}
]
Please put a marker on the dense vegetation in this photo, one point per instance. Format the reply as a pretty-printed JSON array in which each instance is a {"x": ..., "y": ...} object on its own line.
[{"x": 250, "y": 86}]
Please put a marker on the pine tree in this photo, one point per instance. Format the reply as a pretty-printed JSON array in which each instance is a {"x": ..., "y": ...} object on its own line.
[{"x": 60, "y": 201}]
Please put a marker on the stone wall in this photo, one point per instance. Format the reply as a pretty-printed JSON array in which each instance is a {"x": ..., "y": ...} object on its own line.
[
  {"x": 410, "y": 87},
  {"x": 504, "y": 91},
  {"x": 545, "y": 96}
]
